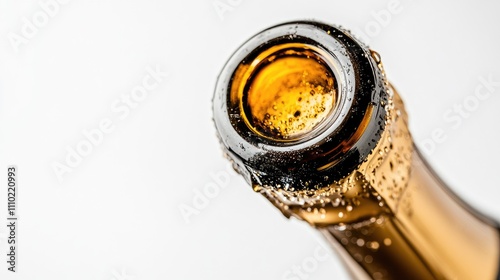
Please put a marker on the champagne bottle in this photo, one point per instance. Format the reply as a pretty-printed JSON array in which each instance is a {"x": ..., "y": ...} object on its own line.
[{"x": 305, "y": 113}]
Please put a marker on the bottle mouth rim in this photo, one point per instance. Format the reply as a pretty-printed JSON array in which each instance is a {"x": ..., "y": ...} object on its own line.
[
  {"x": 335, "y": 146},
  {"x": 332, "y": 51}
]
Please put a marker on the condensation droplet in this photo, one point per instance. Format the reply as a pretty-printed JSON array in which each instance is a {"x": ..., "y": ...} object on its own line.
[
  {"x": 368, "y": 259},
  {"x": 360, "y": 242},
  {"x": 373, "y": 245},
  {"x": 387, "y": 242}
]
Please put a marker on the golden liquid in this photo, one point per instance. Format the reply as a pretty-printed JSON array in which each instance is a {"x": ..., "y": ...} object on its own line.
[
  {"x": 391, "y": 215},
  {"x": 289, "y": 91}
]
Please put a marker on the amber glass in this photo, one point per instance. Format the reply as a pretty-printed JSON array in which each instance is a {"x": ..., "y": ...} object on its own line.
[
  {"x": 428, "y": 233},
  {"x": 305, "y": 113}
]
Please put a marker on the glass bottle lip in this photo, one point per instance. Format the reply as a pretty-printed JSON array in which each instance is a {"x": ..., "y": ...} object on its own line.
[{"x": 343, "y": 140}]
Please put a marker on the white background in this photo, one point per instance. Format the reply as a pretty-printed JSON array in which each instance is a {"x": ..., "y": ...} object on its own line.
[{"x": 116, "y": 214}]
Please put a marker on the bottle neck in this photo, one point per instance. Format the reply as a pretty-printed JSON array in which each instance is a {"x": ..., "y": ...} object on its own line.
[
  {"x": 395, "y": 219},
  {"x": 430, "y": 236},
  {"x": 457, "y": 242}
]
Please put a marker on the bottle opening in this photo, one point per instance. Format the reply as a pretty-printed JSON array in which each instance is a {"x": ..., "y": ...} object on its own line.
[
  {"x": 288, "y": 92},
  {"x": 299, "y": 106}
]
